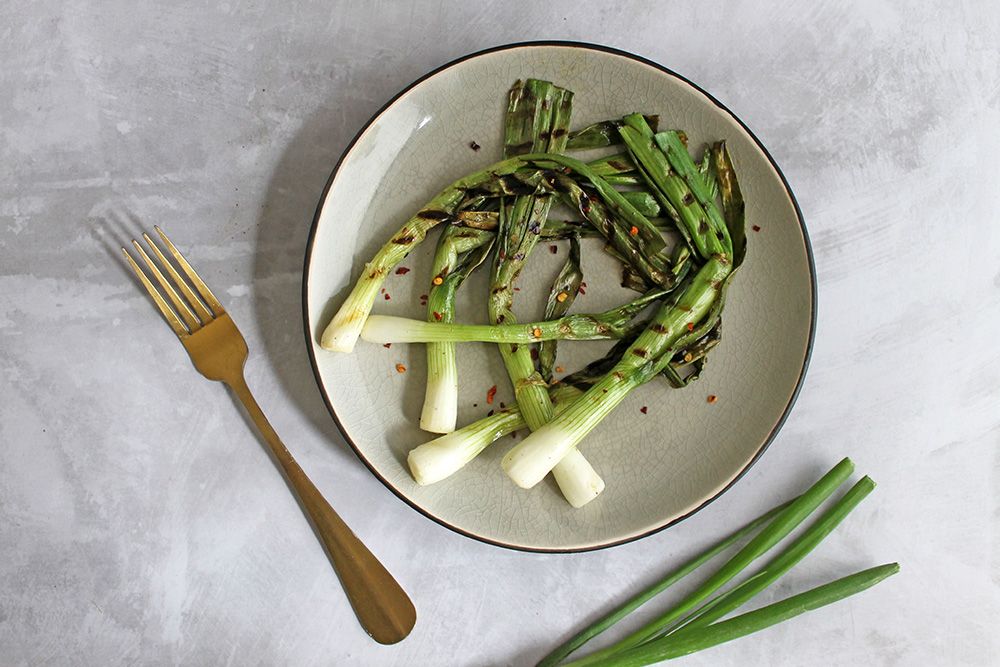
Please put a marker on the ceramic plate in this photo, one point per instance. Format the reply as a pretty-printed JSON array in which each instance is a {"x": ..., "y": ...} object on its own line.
[{"x": 660, "y": 465}]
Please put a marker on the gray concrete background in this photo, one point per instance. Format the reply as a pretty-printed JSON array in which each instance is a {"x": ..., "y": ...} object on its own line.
[{"x": 140, "y": 521}]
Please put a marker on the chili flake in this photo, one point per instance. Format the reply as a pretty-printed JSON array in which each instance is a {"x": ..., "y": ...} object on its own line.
[
  {"x": 490, "y": 413},
  {"x": 438, "y": 316},
  {"x": 387, "y": 297},
  {"x": 491, "y": 392},
  {"x": 402, "y": 271},
  {"x": 553, "y": 249},
  {"x": 690, "y": 326},
  {"x": 634, "y": 230},
  {"x": 562, "y": 296},
  {"x": 474, "y": 146},
  {"x": 387, "y": 345},
  {"x": 644, "y": 409},
  {"x": 400, "y": 368},
  {"x": 756, "y": 228},
  {"x": 712, "y": 398}
]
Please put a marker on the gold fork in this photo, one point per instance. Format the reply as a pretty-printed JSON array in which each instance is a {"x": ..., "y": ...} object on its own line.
[{"x": 219, "y": 352}]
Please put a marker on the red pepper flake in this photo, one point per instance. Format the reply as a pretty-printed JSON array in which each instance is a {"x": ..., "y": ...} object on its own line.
[
  {"x": 474, "y": 146},
  {"x": 634, "y": 230},
  {"x": 423, "y": 297},
  {"x": 382, "y": 291},
  {"x": 490, "y": 394},
  {"x": 644, "y": 409},
  {"x": 387, "y": 297},
  {"x": 490, "y": 413},
  {"x": 387, "y": 345},
  {"x": 690, "y": 326},
  {"x": 582, "y": 289},
  {"x": 534, "y": 354},
  {"x": 756, "y": 228},
  {"x": 438, "y": 316},
  {"x": 712, "y": 398},
  {"x": 402, "y": 271},
  {"x": 517, "y": 289},
  {"x": 400, "y": 368},
  {"x": 553, "y": 249}
]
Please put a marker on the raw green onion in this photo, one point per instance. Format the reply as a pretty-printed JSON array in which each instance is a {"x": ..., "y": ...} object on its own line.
[{"x": 694, "y": 624}]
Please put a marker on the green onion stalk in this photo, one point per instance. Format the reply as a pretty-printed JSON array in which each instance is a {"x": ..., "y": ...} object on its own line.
[
  {"x": 553, "y": 229},
  {"x": 613, "y": 165},
  {"x": 460, "y": 251},
  {"x": 613, "y": 323},
  {"x": 342, "y": 332},
  {"x": 561, "y": 297},
  {"x": 682, "y": 189},
  {"x": 601, "y": 135},
  {"x": 537, "y": 119},
  {"x": 639, "y": 249}
]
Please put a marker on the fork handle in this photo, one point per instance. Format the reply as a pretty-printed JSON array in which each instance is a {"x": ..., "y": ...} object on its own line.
[{"x": 382, "y": 606}]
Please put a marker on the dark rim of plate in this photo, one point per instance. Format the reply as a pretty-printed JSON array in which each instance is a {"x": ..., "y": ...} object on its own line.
[{"x": 618, "y": 52}]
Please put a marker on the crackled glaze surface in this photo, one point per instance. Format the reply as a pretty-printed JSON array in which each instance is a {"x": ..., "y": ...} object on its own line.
[{"x": 658, "y": 466}]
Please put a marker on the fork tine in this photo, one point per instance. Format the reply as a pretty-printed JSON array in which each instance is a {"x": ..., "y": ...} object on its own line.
[
  {"x": 202, "y": 288},
  {"x": 203, "y": 313},
  {"x": 179, "y": 306},
  {"x": 165, "y": 309}
]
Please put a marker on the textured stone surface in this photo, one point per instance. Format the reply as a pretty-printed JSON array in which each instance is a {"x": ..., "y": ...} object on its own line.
[{"x": 140, "y": 522}]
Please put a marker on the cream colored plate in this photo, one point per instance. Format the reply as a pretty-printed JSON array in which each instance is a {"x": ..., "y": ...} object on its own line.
[{"x": 660, "y": 466}]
